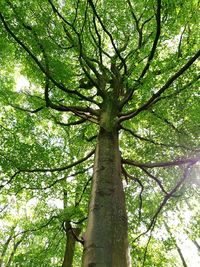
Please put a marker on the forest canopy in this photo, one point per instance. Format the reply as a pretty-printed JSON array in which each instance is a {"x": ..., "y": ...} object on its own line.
[{"x": 99, "y": 125}]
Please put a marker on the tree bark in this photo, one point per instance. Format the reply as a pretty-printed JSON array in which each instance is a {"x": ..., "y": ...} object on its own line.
[
  {"x": 13, "y": 252},
  {"x": 181, "y": 256},
  {"x": 176, "y": 245},
  {"x": 196, "y": 245},
  {"x": 192, "y": 239},
  {"x": 5, "y": 247},
  {"x": 105, "y": 240},
  {"x": 70, "y": 247}
]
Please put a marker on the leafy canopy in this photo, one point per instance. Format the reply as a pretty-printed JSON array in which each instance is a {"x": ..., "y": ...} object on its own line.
[{"x": 141, "y": 56}]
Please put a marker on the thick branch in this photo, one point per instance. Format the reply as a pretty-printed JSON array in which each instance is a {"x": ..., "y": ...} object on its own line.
[
  {"x": 69, "y": 123},
  {"x": 176, "y": 162},
  {"x": 82, "y": 112},
  {"x": 154, "y": 97}
]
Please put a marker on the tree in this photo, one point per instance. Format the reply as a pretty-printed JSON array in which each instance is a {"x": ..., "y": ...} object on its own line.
[
  {"x": 174, "y": 242},
  {"x": 121, "y": 77}
]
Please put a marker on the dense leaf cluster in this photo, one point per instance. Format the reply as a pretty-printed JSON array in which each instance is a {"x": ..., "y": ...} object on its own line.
[{"x": 78, "y": 57}]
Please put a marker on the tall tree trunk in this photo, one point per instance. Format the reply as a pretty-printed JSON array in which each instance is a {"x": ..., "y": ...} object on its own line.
[
  {"x": 105, "y": 240},
  {"x": 70, "y": 246}
]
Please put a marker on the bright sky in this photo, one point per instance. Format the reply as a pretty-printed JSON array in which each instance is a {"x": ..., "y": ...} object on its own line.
[{"x": 21, "y": 83}]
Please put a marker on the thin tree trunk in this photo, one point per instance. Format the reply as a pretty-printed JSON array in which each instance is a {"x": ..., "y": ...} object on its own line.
[
  {"x": 193, "y": 241},
  {"x": 176, "y": 245},
  {"x": 13, "y": 252},
  {"x": 181, "y": 256},
  {"x": 5, "y": 247},
  {"x": 71, "y": 233},
  {"x": 70, "y": 247},
  {"x": 105, "y": 240},
  {"x": 196, "y": 245}
]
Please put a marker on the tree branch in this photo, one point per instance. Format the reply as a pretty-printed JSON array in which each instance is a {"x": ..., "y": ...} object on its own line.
[
  {"x": 155, "y": 43},
  {"x": 84, "y": 189},
  {"x": 154, "y": 97},
  {"x": 142, "y": 138},
  {"x": 55, "y": 182},
  {"x": 176, "y": 162},
  {"x": 27, "y": 110},
  {"x": 155, "y": 179},
  {"x": 174, "y": 94},
  {"x": 109, "y": 34},
  {"x": 126, "y": 174},
  {"x": 82, "y": 112},
  {"x": 69, "y": 123},
  {"x": 165, "y": 200},
  {"x": 39, "y": 64},
  {"x": 58, "y": 169}
]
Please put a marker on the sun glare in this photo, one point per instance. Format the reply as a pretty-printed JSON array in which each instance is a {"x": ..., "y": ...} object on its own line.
[{"x": 21, "y": 83}]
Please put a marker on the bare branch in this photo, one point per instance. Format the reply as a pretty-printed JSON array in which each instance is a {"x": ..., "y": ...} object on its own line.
[
  {"x": 59, "y": 14},
  {"x": 180, "y": 43},
  {"x": 69, "y": 123},
  {"x": 99, "y": 40},
  {"x": 38, "y": 228},
  {"x": 146, "y": 247},
  {"x": 174, "y": 94},
  {"x": 55, "y": 182},
  {"x": 82, "y": 112},
  {"x": 168, "y": 123},
  {"x": 136, "y": 24},
  {"x": 76, "y": 12}
]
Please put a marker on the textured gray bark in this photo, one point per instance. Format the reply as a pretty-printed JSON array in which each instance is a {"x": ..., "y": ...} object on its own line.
[
  {"x": 106, "y": 242},
  {"x": 70, "y": 247}
]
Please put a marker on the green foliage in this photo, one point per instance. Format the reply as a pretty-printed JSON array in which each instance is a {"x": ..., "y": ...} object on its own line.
[{"x": 82, "y": 55}]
